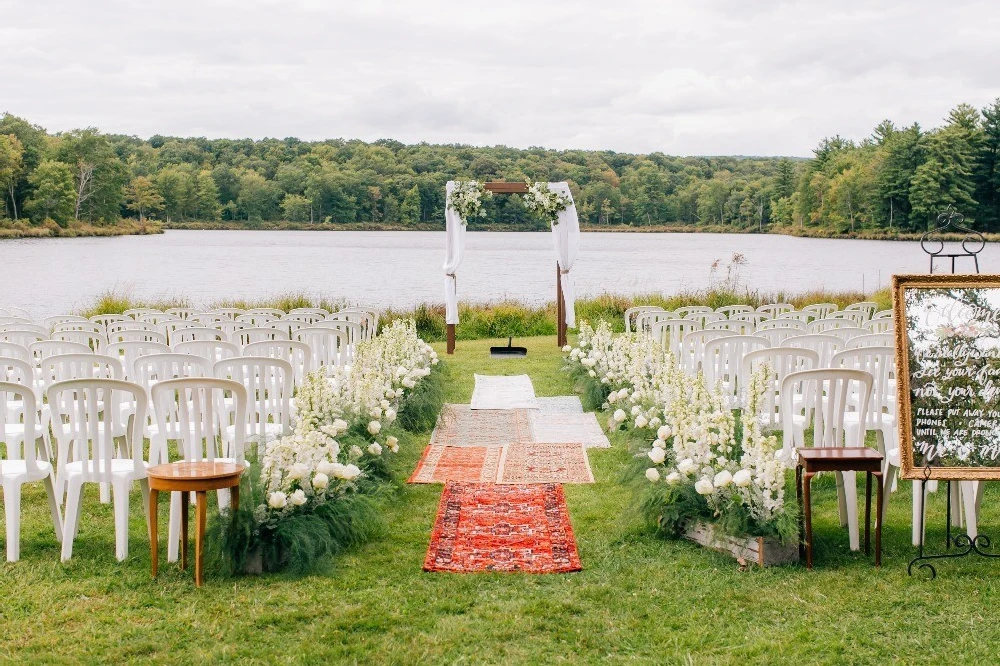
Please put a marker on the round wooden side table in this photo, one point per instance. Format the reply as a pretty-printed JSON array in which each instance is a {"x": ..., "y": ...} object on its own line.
[{"x": 190, "y": 477}]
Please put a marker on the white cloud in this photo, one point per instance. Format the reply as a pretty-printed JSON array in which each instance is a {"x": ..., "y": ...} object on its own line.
[{"x": 682, "y": 77}]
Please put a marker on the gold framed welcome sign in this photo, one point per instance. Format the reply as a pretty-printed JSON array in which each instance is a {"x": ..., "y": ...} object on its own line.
[{"x": 948, "y": 375}]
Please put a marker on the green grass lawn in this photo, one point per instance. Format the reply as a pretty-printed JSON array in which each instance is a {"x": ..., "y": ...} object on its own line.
[{"x": 639, "y": 599}]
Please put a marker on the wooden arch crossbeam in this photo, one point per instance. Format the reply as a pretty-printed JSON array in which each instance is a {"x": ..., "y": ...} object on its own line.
[{"x": 500, "y": 187}]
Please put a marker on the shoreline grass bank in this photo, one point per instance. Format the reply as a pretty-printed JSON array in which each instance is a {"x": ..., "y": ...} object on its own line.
[
  {"x": 10, "y": 229},
  {"x": 502, "y": 319}
]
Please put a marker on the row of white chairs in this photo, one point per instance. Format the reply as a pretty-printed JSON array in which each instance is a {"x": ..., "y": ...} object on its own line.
[{"x": 859, "y": 314}]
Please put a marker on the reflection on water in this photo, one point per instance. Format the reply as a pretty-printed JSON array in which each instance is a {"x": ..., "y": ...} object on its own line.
[{"x": 50, "y": 276}]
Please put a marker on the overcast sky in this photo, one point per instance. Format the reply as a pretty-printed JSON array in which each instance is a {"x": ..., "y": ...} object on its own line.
[{"x": 686, "y": 77}]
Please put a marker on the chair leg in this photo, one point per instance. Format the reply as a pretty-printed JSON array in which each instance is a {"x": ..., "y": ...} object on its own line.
[
  {"x": 851, "y": 502},
  {"x": 174, "y": 527},
  {"x": 144, "y": 489},
  {"x": 889, "y": 481},
  {"x": 12, "y": 512},
  {"x": 919, "y": 497},
  {"x": 121, "y": 488},
  {"x": 957, "y": 519},
  {"x": 841, "y": 499},
  {"x": 105, "y": 493},
  {"x": 57, "y": 521},
  {"x": 968, "y": 491},
  {"x": 74, "y": 495}
]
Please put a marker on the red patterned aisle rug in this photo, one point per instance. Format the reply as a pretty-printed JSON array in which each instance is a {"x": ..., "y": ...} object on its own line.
[
  {"x": 457, "y": 463},
  {"x": 534, "y": 462},
  {"x": 490, "y": 527}
]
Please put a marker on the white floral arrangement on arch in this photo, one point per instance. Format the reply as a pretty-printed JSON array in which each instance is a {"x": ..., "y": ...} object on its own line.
[
  {"x": 467, "y": 198},
  {"x": 542, "y": 201}
]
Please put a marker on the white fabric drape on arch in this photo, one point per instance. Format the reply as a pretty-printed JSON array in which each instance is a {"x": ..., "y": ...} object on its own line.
[
  {"x": 566, "y": 236},
  {"x": 454, "y": 249}
]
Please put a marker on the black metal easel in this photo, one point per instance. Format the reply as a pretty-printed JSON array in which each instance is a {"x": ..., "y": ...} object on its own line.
[{"x": 972, "y": 244}]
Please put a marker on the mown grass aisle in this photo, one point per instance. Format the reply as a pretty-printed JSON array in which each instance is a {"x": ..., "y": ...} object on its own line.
[{"x": 639, "y": 599}]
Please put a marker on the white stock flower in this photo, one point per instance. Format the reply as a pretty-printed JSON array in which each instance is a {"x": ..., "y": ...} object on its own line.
[
  {"x": 641, "y": 422},
  {"x": 567, "y": 348},
  {"x": 704, "y": 487},
  {"x": 742, "y": 478},
  {"x": 321, "y": 481},
  {"x": 673, "y": 478},
  {"x": 657, "y": 455},
  {"x": 351, "y": 472},
  {"x": 298, "y": 498},
  {"x": 653, "y": 474},
  {"x": 298, "y": 471},
  {"x": 686, "y": 466},
  {"x": 324, "y": 467},
  {"x": 663, "y": 433},
  {"x": 635, "y": 410},
  {"x": 722, "y": 479},
  {"x": 277, "y": 500}
]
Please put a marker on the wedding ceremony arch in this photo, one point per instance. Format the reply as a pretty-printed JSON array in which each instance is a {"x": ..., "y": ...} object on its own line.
[{"x": 565, "y": 237}]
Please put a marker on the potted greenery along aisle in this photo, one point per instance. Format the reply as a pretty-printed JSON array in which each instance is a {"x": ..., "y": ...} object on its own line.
[
  {"x": 714, "y": 476},
  {"x": 319, "y": 490}
]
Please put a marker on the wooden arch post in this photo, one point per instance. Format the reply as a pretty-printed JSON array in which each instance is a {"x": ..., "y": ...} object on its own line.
[{"x": 522, "y": 188}]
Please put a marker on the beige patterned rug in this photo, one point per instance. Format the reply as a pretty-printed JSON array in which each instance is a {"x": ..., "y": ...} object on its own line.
[
  {"x": 535, "y": 462},
  {"x": 503, "y": 392},
  {"x": 459, "y": 425},
  {"x": 560, "y": 404},
  {"x": 458, "y": 463},
  {"x": 564, "y": 427}
]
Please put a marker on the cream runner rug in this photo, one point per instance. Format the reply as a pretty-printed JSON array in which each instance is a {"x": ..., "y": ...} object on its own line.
[
  {"x": 561, "y": 427},
  {"x": 504, "y": 392}
]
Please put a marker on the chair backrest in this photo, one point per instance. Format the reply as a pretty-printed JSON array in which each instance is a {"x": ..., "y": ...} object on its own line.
[
  {"x": 776, "y": 336},
  {"x": 631, "y": 313},
  {"x": 155, "y": 318},
  {"x": 17, "y": 371},
  {"x": 171, "y": 326},
  {"x": 686, "y": 310},
  {"x": 207, "y": 319},
  {"x": 866, "y": 307},
  {"x": 250, "y": 335},
  {"x": 268, "y": 382},
  {"x": 14, "y": 350},
  {"x": 229, "y": 313},
  {"x": 203, "y": 333},
  {"x": 128, "y": 352},
  {"x": 46, "y": 348},
  {"x": 23, "y": 338},
  {"x": 825, "y": 393},
  {"x": 25, "y": 327},
  {"x": 257, "y": 319},
  {"x": 79, "y": 325},
  {"x": 823, "y": 344},
  {"x": 821, "y": 310},
  {"x": 88, "y": 365},
  {"x": 670, "y": 333},
  {"x": 781, "y": 361},
  {"x": 880, "y": 325},
  {"x": 213, "y": 350},
  {"x": 129, "y": 325},
  {"x": 94, "y": 341},
  {"x": 274, "y": 312},
  {"x": 137, "y": 336},
  {"x": 794, "y": 324},
  {"x": 880, "y": 363},
  {"x": 823, "y": 325},
  {"x": 736, "y": 326},
  {"x": 18, "y": 414},
  {"x": 692, "y": 348},
  {"x": 644, "y": 320},
  {"x": 156, "y": 368},
  {"x": 366, "y": 320},
  {"x": 135, "y": 312},
  {"x": 845, "y": 333},
  {"x": 87, "y": 414},
  {"x": 772, "y": 310},
  {"x": 871, "y": 340},
  {"x": 354, "y": 331},
  {"x": 106, "y": 320},
  {"x": 705, "y": 317},
  {"x": 859, "y": 317},
  {"x": 315, "y": 311},
  {"x": 328, "y": 346},
  {"x": 193, "y": 411},
  {"x": 730, "y": 310},
  {"x": 181, "y": 313},
  {"x": 229, "y": 327},
  {"x": 294, "y": 352},
  {"x": 723, "y": 362},
  {"x": 308, "y": 318}
]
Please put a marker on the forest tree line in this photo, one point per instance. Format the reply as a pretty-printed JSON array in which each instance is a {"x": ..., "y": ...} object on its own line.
[{"x": 898, "y": 179}]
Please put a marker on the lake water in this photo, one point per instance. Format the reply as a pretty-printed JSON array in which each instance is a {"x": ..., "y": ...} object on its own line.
[{"x": 400, "y": 269}]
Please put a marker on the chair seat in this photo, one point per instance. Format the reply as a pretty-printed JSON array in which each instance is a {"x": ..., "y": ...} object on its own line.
[
  {"x": 119, "y": 467},
  {"x": 11, "y": 469}
]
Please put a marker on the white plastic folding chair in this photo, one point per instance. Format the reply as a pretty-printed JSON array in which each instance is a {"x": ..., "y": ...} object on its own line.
[
  {"x": 824, "y": 325},
  {"x": 207, "y": 319},
  {"x": 868, "y": 308},
  {"x": 23, "y": 338},
  {"x": 307, "y": 318},
  {"x": 230, "y": 313},
  {"x": 729, "y": 310},
  {"x": 735, "y": 326},
  {"x": 294, "y": 352},
  {"x": 353, "y": 331},
  {"x": 199, "y": 334},
  {"x": 45, "y": 348},
  {"x": 365, "y": 320},
  {"x": 213, "y": 350},
  {"x": 723, "y": 364},
  {"x": 137, "y": 335},
  {"x": 274, "y": 312},
  {"x": 55, "y": 320},
  {"x": 773, "y": 310},
  {"x": 781, "y": 361},
  {"x": 692, "y": 348},
  {"x": 821, "y": 310},
  {"x": 14, "y": 350},
  {"x": 257, "y": 319},
  {"x": 168, "y": 328},
  {"x": 92, "y": 340},
  {"x": 826, "y": 393},
  {"x": 845, "y": 333},
  {"x": 632, "y": 312},
  {"x": 823, "y": 344},
  {"x": 135, "y": 312},
  {"x": 248, "y": 336},
  {"x": 880, "y": 325},
  {"x": 155, "y": 368},
  {"x": 856, "y": 316},
  {"x": 798, "y": 315},
  {"x": 268, "y": 382},
  {"x": 106, "y": 320},
  {"x": 705, "y": 318},
  {"x": 670, "y": 333},
  {"x": 181, "y": 313},
  {"x": 128, "y": 325},
  {"x": 193, "y": 412},
  {"x": 871, "y": 340},
  {"x": 85, "y": 415},
  {"x": 25, "y": 327},
  {"x": 19, "y": 463},
  {"x": 328, "y": 347},
  {"x": 155, "y": 318},
  {"x": 230, "y": 328},
  {"x": 776, "y": 336},
  {"x": 792, "y": 324},
  {"x": 323, "y": 312},
  {"x": 128, "y": 352},
  {"x": 644, "y": 320}
]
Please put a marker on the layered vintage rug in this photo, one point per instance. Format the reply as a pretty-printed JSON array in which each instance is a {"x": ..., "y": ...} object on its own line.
[
  {"x": 567, "y": 427},
  {"x": 544, "y": 462},
  {"x": 503, "y": 392},
  {"x": 489, "y": 527},
  {"x": 560, "y": 404},
  {"x": 460, "y": 425},
  {"x": 440, "y": 464}
]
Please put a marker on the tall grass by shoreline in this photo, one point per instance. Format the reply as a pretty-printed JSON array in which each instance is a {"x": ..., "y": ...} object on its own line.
[{"x": 507, "y": 318}]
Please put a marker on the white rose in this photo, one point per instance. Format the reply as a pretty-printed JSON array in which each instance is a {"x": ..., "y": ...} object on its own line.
[
  {"x": 385, "y": 404},
  {"x": 409, "y": 383},
  {"x": 277, "y": 500},
  {"x": 655, "y": 422},
  {"x": 340, "y": 424},
  {"x": 663, "y": 433},
  {"x": 374, "y": 427},
  {"x": 613, "y": 397},
  {"x": 390, "y": 415},
  {"x": 653, "y": 474},
  {"x": 392, "y": 441},
  {"x": 567, "y": 348},
  {"x": 686, "y": 466},
  {"x": 324, "y": 467},
  {"x": 337, "y": 470},
  {"x": 298, "y": 471},
  {"x": 619, "y": 415},
  {"x": 742, "y": 478},
  {"x": 591, "y": 373},
  {"x": 355, "y": 452},
  {"x": 375, "y": 449},
  {"x": 723, "y": 479},
  {"x": 635, "y": 410},
  {"x": 351, "y": 472},
  {"x": 659, "y": 444},
  {"x": 321, "y": 480},
  {"x": 641, "y": 422},
  {"x": 673, "y": 478},
  {"x": 298, "y": 498},
  {"x": 704, "y": 487},
  {"x": 657, "y": 455}
]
